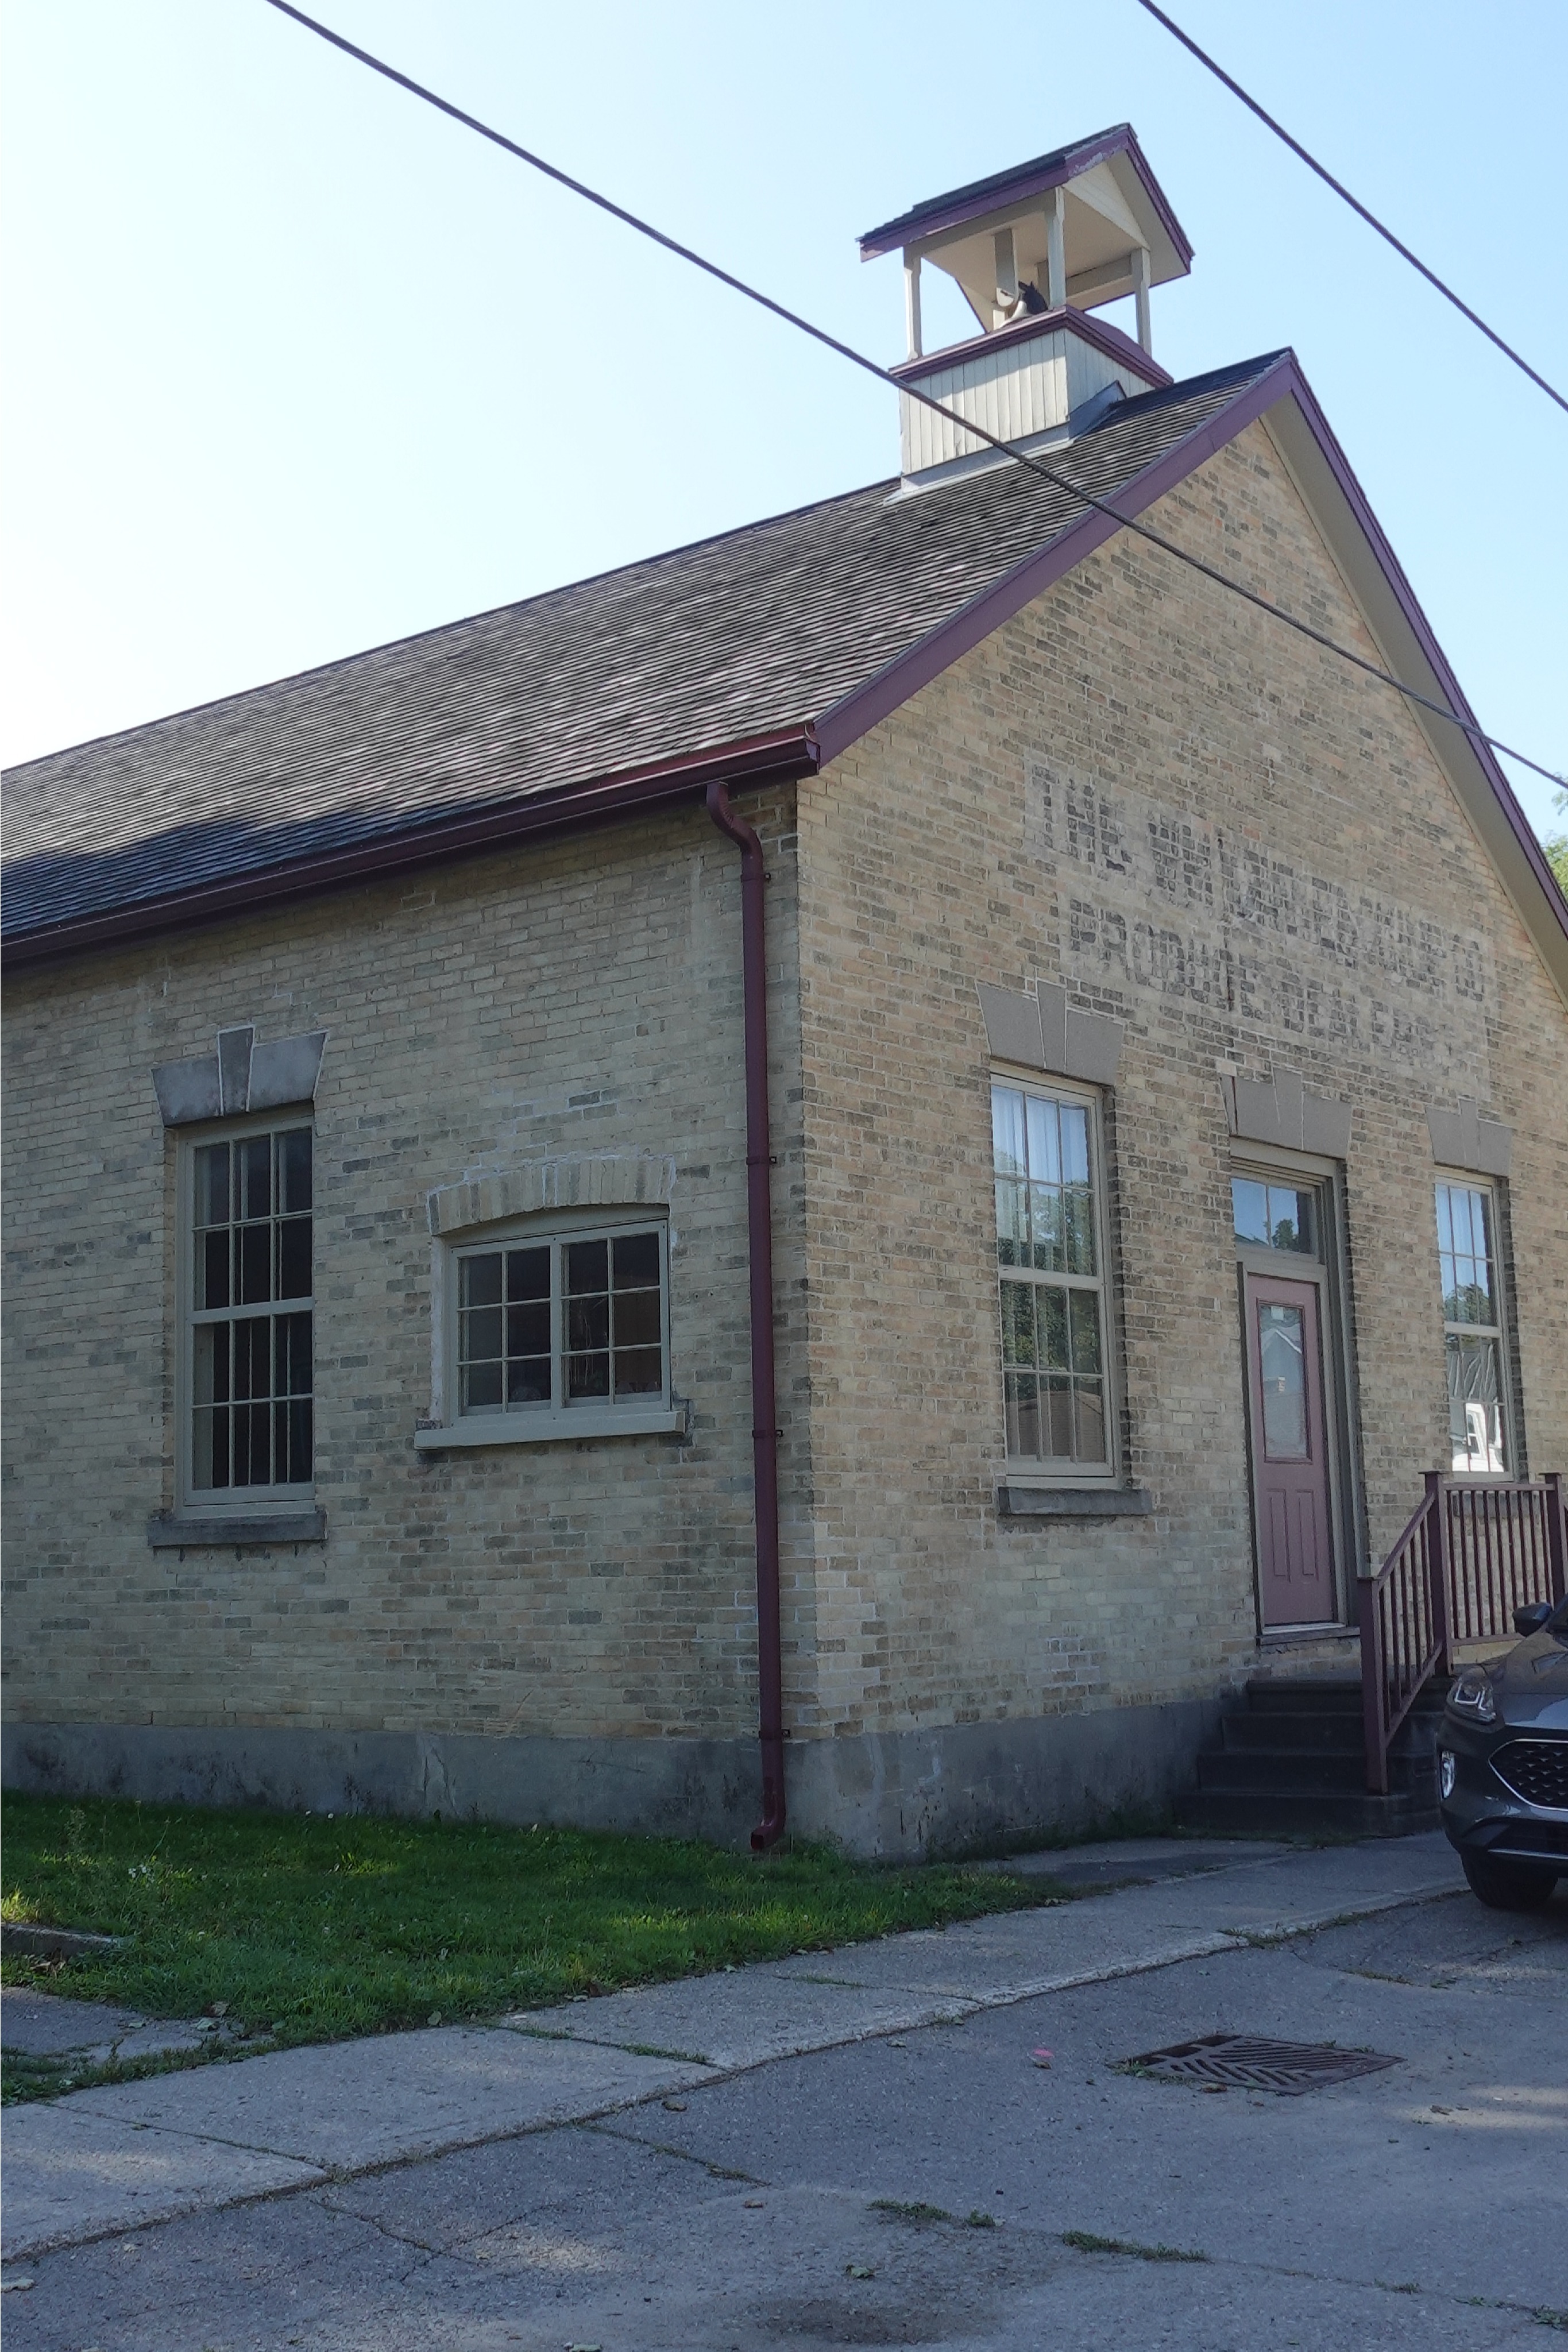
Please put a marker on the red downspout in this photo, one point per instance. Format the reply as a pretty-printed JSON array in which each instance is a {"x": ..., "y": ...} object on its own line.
[{"x": 764, "y": 1390}]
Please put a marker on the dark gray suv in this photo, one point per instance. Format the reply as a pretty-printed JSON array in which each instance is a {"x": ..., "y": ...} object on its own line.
[{"x": 1503, "y": 1765}]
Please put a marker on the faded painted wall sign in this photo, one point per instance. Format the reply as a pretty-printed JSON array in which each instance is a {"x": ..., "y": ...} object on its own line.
[{"x": 1154, "y": 903}]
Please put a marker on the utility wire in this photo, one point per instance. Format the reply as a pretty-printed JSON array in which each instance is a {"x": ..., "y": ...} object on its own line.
[
  {"x": 884, "y": 375},
  {"x": 1355, "y": 205}
]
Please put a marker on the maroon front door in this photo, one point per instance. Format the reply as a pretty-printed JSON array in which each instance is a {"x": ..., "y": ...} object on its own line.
[{"x": 1290, "y": 1452}]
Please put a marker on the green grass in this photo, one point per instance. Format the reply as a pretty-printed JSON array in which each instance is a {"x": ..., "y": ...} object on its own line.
[
  {"x": 1086, "y": 2243},
  {"x": 920, "y": 2215},
  {"x": 310, "y": 1928}
]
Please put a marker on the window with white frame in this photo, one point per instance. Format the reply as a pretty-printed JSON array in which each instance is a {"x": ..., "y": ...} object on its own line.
[
  {"x": 547, "y": 1323},
  {"x": 1051, "y": 1271},
  {"x": 1472, "y": 1328},
  {"x": 247, "y": 1369}
]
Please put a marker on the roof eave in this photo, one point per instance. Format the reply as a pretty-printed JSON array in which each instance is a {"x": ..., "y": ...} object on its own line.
[
  {"x": 981, "y": 196},
  {"x": 772, "y": 758},
  {"x": 1409, "y": 648}
]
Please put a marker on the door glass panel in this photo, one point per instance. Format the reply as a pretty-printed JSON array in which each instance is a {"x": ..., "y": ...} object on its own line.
[{"x": 1281, "y": 1352}]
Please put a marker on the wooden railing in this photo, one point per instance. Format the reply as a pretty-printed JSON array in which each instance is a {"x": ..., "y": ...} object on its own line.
[{"x": 1470, "y": 1556}]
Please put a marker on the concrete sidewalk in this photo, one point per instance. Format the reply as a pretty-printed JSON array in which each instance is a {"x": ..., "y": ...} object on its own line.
[{"x": 105, "y": 2160}]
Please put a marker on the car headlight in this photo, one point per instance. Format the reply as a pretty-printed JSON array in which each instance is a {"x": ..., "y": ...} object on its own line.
[{"x": 1472, "y": 1697}]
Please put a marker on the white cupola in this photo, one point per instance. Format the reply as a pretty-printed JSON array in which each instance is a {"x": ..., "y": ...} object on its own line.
[{"x": 1035, "y": 251}]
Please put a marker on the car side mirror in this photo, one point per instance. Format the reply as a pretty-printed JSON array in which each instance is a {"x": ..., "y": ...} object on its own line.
[{"x": 1531, "y": 1619}]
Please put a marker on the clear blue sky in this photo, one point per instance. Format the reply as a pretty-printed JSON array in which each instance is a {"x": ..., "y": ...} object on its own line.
[{"x": 296, "y": 367}]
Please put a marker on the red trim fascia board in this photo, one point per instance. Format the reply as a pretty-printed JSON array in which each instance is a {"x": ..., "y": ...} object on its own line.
[
  {"x": 1004, "y": 188},
  {"x": 1447, "y": 684},
  {"x": 1067, "y": 319},
  {"x": 791, "y": 753},
  {"x": 867, "y": 705},
  {"x": 1158, "y": 198},
  {"x": 864, "y": 708}
]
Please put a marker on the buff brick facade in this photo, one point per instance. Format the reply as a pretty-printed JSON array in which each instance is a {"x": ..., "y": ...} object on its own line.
[
  {"x": 1209, "y": 837},
  {"x": 1244, "y": 864}
]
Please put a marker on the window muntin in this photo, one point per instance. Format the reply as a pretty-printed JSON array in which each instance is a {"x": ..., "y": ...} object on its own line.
[
  {"x": 1049, "y": 1258},
  {"x": 1472, "y": 1329},
  {"x": 250, "y": 1378},
  {"x": 560, "y": 1321},
  {"x": 1274, "y": 1216}
]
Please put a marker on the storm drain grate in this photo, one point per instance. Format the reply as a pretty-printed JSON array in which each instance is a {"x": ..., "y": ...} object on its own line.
[{"x": 1244, "y": 2062}]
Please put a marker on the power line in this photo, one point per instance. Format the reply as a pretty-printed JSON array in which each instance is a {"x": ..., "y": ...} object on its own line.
[
  {"x": 1354, "y": 203},
  {"x": 884, "y": 375}
]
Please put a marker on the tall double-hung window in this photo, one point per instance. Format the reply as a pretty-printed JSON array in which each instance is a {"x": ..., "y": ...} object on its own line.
[
  {"x": 1050, "y": 1261},
  {"x": 249, "y": 1326},
  {"x": 1473, "y": 1345}
]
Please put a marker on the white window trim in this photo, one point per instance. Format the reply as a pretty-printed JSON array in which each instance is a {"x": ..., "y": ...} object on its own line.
[
  {"x": 228, "y": 1503},
  {"x": 1469, "y": 1180},
  {"x": 449, "y": 1429},
  {"x": 1024, "y": 1470}
]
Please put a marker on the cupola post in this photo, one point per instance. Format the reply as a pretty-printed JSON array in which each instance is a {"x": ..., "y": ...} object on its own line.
[{"x": 1034, "y": 252}]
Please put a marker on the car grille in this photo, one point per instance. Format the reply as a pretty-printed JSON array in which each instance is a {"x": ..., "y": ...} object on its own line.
[
  {"x": 1535, "y": 1769},
  {"x": 1534, "y": 1838}
]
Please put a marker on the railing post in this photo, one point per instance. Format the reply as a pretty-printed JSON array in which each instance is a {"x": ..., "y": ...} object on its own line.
[
  {"x": 1373, "y": 1685},
  {"x": 1437, "y": 1557},
  {"x": 1556, "y": 1536}
]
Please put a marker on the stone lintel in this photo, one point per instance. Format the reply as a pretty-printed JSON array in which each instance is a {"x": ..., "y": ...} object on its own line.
[
  {"x": 1284, "y": 1110},
  {"x": 1463, "y": 1138},
  {"x": 240, "y": 1076},
  {"x": 1042, "y": 1032}
]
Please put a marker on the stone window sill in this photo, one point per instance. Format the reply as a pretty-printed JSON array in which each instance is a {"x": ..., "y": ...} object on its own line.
[
  {"x": 1285, "y": 1637},
  {"x": 171, "y": 1530},
  {"x": 1074, "y": 1502},
  {"x": 548, "y": 1429}
]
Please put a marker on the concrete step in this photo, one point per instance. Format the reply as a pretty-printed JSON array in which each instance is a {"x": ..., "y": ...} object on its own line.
[
  {"x": 1310, "y": 1772},
  {"x": 1320, "y": 1735},
  {"x": 1323, "y": 1694},
  {"x": 1244, "y": 1813},
  {"x": 1326, "y": 1733},
  {"x": 1304, "y": 1694}
]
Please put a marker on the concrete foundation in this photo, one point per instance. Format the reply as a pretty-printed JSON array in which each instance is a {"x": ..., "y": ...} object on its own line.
[{"x": 947, "y": 1790}]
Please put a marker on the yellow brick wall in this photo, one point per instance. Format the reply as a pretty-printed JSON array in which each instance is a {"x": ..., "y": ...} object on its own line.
[
  {"x": 579, "y": 998},
  {"x": 582, "y": 997},
  {"x": 1328, "y": 909}
]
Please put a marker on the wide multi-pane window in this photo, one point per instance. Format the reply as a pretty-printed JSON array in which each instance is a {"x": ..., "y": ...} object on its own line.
[
  {"x": 1472, "y": 1328},
  {"x": 250, "y": 1319},
  {"x": 1050, "y": 1264},
  {"x": 569, "y": 1320}
]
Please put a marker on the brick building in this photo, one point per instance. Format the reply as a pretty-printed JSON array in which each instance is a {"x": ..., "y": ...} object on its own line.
[{"x": 1098, "y": 1058}]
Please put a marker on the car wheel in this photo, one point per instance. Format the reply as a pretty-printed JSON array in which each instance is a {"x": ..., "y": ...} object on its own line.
[{"x": 1507, "y": 1886}]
